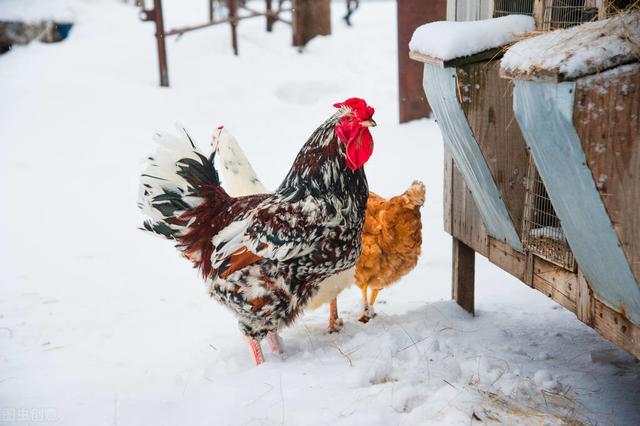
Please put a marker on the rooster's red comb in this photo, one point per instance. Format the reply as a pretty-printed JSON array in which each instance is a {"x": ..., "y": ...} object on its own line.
[{"x": 359, "y": 108}]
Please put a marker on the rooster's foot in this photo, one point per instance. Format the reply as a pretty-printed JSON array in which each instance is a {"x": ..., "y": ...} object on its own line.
[
  {"x": 274, "y": 342},
  {"x": 256, "y": 350},
  {"x": 335, "y": 326}
]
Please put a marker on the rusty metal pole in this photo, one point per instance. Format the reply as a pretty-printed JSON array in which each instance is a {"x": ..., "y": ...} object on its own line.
[
  {"x": 155, "y": 15},
  {"x": 269, "y": 16},
  {"x": 232, "y": 5},
  {"x": 162, "y": 49}
]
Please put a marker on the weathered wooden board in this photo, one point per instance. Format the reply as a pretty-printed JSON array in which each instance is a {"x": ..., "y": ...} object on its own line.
[
  {"x": 448, "y": 191},
  {"x": 411, "y": 14},
  {"x": 487, "y": 101},
  {"x": 616, "y": 327},
  {"x": 310, "y": 18},
  {"x": 466, "y": 222},
  {"x": 463, "y": 276},
  {"x": 441, "y": 88},
  {"x": 572, "y": 291},
  {"x": 469, "y": 10},
  {"x": 569, "y": 289},
  {"x": 556, "y": 282},
  {"x": 508, "y": 259},
  {"x": 545, "y": 114},
  {"x": 485, "y": 55},
  {"x": 607, "y": 120}
]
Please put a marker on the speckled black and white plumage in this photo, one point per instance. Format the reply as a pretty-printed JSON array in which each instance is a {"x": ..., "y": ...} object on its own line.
[{"x": 263, "y": 256}]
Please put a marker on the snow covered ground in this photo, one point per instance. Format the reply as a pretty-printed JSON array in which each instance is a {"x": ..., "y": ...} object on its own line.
[{"x": 101, "y": 324}]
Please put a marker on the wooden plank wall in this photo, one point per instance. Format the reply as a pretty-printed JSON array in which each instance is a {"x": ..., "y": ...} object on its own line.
[
  {"x": 411, "y": 14},
  {"x": 569, "y": 289},
  {"x": 487, "y": 101},
  {"x": 469, "y": 10},
  {"x": 613, "y": 151},
  {"x": 312, "y": 18},
  {"x": 465, "y": 222}
]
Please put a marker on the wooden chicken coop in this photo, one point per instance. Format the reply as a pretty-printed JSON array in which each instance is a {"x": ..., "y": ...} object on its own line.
[{"x": 541, "y": 153}]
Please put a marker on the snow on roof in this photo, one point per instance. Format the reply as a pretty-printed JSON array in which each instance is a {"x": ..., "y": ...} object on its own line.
[
  {"x": 449, "y": 40},
  {"x": 577, "y": 51},
  {"x": 36, "y": 10}
]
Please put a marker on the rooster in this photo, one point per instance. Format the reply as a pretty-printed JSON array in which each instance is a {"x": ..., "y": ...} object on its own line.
[
  {"x": 391, "y": 235},
  {"x": 263, "y": 256},
  {"x": 240, "y": 179}
]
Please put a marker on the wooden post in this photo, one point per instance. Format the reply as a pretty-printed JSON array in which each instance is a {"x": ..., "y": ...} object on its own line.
[
  {"x": 463, "y": 277},
  {"x": 310, "y": 18},
  {"x": 232, "y": 7},
  {"x": 412, "y": 14},
  {"x": 584, "y": 301},
  {"x": 270, "y": 19}
]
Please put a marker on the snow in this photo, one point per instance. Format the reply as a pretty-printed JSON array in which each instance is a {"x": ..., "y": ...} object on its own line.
[
  {"x": 449, "y": 40},
  {"x": 101, "y": 324},
  {"x": 578, "y": 51},
  {"x": 36, "y": 10},
  {"x": 552, "y": 232}
]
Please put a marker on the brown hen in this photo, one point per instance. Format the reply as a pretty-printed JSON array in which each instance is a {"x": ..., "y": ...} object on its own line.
[{"x": 391, "y": 242}]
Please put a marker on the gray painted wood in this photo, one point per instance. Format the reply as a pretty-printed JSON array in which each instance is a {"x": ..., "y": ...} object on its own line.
[
  {"x": 440, "y": 88},
  {"x": 545, "y": 114},
  {"x": 469, "y": 10}
]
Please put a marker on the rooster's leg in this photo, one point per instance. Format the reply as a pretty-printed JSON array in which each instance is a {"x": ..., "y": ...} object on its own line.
[
  {"x": 335, "y": 323},
  {"x": 274, "y": 342},
  {"x": 364, "y": 316},
  {"x": 256, "y": 350}
]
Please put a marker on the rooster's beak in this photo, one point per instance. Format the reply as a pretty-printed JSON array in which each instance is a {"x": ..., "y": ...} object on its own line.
[{"x": 368, "y": 123}]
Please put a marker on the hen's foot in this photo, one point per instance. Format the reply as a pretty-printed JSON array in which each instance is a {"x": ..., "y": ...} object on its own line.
[
  {"x": 335, "y": 326},
  {"x": 367, "y": 314}
]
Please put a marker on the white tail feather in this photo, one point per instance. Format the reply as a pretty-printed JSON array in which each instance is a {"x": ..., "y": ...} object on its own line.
[
  {"x": 160, "y": 177},
  {"x": 237, "y": 173}
]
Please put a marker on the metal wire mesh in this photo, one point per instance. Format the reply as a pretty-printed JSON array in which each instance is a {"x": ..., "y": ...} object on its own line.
[
  {"x": 512, "y": 7},
  {"x": 566, "y": 13},
  {"x": 541, "y": 230}
]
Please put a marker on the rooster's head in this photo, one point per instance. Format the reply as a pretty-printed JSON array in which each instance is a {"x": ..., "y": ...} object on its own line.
[{"x": 353, "y": 130}]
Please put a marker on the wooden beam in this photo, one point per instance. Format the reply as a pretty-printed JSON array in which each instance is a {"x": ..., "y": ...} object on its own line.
[
  {"x": 485, "y": 55},
  {"x": 463, "y": 277},
  {"x": 411, "y": 14},
  {"x": 585, "y": 301}
]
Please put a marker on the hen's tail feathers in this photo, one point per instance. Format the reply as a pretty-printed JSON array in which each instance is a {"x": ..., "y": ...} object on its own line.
[
  {"x": 416, "y": 193},
  {"x": 173, "y": 182},
  {"x": 239, "y": 177}
]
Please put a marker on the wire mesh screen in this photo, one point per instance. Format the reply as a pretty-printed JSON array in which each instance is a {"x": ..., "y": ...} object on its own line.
[
  {"x": 566, "y": 13},
  {"x": 541, "y": 230},
  {"x": 512, "y": 7}
]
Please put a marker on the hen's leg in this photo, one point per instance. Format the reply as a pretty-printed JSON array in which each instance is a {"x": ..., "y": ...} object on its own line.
[
  {"x": 374, "y": 295},
  {"x": 274, "y": 342},
  {"x": 256, "y": 350},
  {"x": 372, "y": 299},
  {"x": 364, "y": 316},
  {"x": 335, "y": 323}
]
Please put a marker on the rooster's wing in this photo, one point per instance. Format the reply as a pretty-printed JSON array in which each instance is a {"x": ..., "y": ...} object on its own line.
[{"x": 275, "y": 230}]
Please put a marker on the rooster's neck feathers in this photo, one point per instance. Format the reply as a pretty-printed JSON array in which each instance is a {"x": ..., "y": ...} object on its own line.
[{"x": 320, "y": 169}]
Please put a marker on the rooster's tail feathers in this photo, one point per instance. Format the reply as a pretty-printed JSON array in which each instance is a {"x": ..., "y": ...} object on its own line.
[{"x": 172, "y": 182}]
